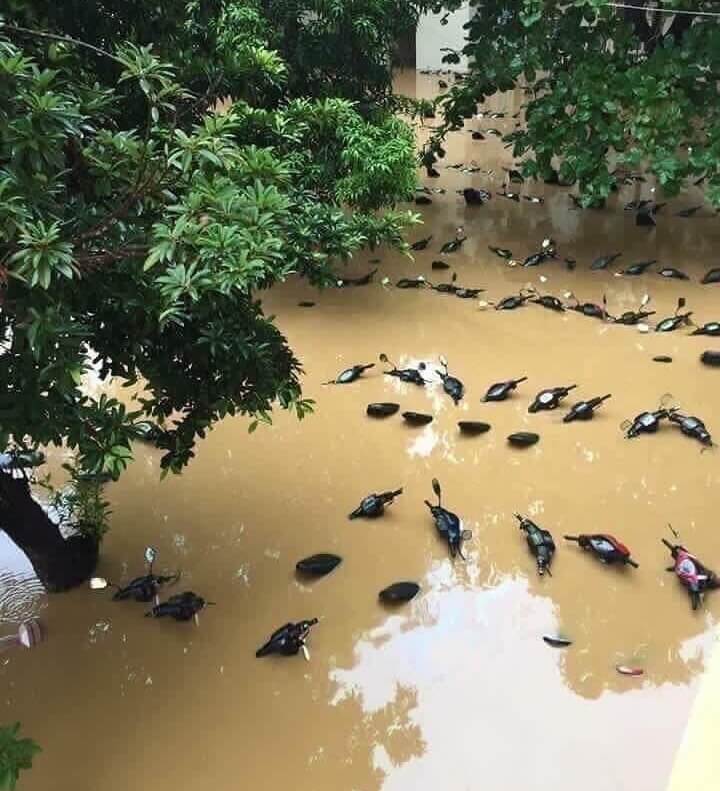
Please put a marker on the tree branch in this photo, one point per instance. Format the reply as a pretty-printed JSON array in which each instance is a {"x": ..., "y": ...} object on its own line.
[
  {"x": 89, "y": 261},
  {"x": 55, "y": 37}
]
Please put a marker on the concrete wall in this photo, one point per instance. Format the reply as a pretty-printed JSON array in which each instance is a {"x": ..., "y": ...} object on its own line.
[{"x": 432, "y": 36}]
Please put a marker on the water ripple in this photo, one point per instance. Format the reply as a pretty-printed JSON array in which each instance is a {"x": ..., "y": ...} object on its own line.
[{"x": 21, "y": 596}]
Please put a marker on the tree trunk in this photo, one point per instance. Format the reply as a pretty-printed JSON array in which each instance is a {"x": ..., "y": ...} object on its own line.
[{"x": 60, "y": 563}]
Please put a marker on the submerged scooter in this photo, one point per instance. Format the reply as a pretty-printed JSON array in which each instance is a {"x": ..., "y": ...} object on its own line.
[
  {"x": 447, "y": 523},
  {"x": 411, "y": 375},
  {"x": 373, "y": 505},
  {"x": 605, "y": 547},
  {"x": 140, "y": 589},
  {"x": 180, "y": 607},
  {"x": 696, "y": 577},
  {"x": 691, "y": 426},
  {"x": 540, "y": 542},
  {"x": 288, "y": 640}
]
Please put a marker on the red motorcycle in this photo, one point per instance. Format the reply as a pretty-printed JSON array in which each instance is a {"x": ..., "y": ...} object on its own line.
[{"x": 696, "y": 577}]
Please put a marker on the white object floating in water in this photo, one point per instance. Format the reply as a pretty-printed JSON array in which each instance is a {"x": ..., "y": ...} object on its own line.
[
  {"x": 643, "y": 328},
  {"x": 29, "y": 634},
  {"x": 98, "y": 583},
  {"x": 306, "y": 653},
  {"x": 625, "y": 670},
  {"x": 543, "y": 279}
]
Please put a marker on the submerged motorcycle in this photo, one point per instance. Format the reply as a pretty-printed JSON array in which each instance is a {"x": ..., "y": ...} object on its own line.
[{"x": 693, "y": 574}]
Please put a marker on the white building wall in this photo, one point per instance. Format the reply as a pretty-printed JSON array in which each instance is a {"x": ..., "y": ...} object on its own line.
[{"x": 431, "y": 37}]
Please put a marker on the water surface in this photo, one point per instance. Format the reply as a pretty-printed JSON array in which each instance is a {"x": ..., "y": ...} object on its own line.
[{"x": 456, "y": 690}]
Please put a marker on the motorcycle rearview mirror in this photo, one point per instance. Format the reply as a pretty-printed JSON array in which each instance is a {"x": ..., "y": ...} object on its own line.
[
  {"x": 436, "y": 487},
  {"x": 466, "y": 535},
  {"x": 384, "y": 358},
  {"x": 644, "y": 301},
  {"x": 680, "y": 304},
  {"x": 150, "y": 555},
  {"x": 443, "y": 361},
  {"x": 98, "y": 583}
]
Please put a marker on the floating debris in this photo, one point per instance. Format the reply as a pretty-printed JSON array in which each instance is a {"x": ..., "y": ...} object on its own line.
[
  {"x": 626, "y": 670},
  {"x": 29, "y": 634},
  {"x": 557, "y": 642}
]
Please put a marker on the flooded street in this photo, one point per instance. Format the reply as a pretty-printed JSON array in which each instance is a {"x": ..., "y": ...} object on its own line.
[{"x": 456, "y": 689}]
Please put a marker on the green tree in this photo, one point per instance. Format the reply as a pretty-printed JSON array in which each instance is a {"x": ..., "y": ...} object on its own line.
[
  {"x": 604, "y": 86},
  {"x": 140, "y": 221},
  {"x": 15, "y": 754}
]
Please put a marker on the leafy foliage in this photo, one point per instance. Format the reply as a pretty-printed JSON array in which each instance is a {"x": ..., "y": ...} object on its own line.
[
  {"x": 142, "y": 210},
  {"x": 601, "y": 82},
  {"x": 15, "y": 754}
]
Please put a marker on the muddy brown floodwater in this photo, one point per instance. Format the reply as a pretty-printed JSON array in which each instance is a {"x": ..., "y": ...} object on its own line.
[{"x": 455, "y": 690}]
